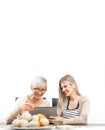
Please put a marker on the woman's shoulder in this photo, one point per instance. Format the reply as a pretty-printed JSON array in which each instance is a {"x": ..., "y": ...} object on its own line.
[
  {"x": 22, "y": 99},
  {"x": 45, "y": 103},
  {"x": 84, "y": 98}
]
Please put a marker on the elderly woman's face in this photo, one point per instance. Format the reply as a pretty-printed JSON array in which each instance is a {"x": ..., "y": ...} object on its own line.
[
  {"x": 39, "y": 91},
  {"x": 67, "y": 88}
]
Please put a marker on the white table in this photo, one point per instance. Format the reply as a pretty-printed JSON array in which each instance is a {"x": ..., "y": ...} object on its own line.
[{"x": 62, "y": 127}]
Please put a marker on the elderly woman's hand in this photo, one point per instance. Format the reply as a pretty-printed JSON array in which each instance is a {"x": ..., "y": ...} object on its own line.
[{"x": 26, "y": 106}]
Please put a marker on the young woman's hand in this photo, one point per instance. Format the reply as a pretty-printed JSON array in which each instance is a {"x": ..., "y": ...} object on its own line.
[{"x": 51, "y": 119}]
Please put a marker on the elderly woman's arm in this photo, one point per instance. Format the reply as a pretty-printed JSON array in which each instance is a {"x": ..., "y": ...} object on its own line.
[
  {"x": 12, "y": 115},
  {"x": 16, "y": 110}
]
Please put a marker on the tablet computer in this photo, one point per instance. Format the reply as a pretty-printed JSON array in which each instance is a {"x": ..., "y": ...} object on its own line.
[{"x": 47, "y": 111}]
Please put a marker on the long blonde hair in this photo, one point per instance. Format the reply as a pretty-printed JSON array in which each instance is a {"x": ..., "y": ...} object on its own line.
[{"x": 62, "y": 97}]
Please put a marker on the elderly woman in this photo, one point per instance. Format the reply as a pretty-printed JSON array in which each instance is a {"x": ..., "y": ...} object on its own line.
[
  {"x": 28, "y": 103},
  {"x": 72, "y": 106}
]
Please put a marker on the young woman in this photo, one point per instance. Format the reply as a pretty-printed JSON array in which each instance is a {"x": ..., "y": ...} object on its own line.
[
  {"x": 72, "y": 106},
  {"x": 28, "y": 103}
]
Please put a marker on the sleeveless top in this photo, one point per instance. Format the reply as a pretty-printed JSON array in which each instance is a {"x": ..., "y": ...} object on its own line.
[{"x": 70, "y": 113}]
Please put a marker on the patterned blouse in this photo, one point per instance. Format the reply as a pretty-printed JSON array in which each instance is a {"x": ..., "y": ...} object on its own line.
[{"x": 71, "y": 113}]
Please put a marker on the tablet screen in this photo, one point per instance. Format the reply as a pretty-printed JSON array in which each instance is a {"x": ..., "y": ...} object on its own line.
[{"x": 47, "y": 111}]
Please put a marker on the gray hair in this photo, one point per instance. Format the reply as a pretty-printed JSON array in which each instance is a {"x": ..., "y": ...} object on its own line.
[{"x": 39, "y": 81}]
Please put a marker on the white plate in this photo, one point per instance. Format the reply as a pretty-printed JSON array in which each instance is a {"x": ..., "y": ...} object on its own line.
[{"x": 31, "y": 128}]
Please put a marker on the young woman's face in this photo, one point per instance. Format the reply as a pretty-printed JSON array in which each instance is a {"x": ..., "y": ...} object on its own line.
[
  {"x": 38, "y": 92},
  {"x": 67, "y": 88}
]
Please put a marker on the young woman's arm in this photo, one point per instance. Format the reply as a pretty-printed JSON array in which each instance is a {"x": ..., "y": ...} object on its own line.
[{"x": 84, "y": 110}]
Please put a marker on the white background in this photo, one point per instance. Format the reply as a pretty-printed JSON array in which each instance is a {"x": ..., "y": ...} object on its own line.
[{"x": 52, "y": 38}]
